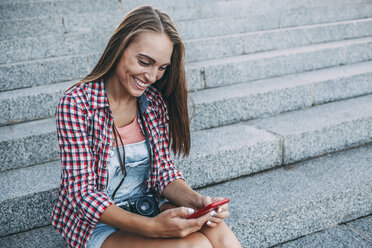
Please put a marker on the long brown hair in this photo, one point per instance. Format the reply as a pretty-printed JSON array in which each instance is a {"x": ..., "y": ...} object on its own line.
[{"x": 172, "y": 85}]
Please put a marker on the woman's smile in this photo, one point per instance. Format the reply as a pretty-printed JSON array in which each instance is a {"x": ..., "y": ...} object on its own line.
[{"x": 141, "y": 85}]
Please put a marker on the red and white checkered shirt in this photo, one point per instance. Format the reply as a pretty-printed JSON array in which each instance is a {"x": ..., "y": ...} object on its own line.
[{"x": 84, "y": 127}]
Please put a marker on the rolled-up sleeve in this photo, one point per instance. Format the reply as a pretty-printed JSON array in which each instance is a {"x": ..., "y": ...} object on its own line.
[{"x": 78, "y": 172}]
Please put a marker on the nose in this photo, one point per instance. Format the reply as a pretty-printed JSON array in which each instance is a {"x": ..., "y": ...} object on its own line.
[{"x": 151, "y": 75}]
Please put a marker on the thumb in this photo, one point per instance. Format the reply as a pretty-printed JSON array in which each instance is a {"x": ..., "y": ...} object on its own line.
[{"x": 181, "y": 212}]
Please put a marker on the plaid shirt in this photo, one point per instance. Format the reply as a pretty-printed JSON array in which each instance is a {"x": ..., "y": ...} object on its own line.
[{"x": 84, "y": 129}]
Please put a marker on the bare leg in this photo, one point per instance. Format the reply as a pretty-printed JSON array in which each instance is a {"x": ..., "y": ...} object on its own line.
[
  {"x": 120, "y": 239},
  {"x": 221, "y": 236}
]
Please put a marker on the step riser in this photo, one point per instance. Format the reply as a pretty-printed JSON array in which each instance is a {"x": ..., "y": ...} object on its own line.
[
  {"x": 22, "y": 214},
  {"x": 16, "y": 76},
  {"x": 211, "y": 74},
  {"x": 31, "y": 106},
  {"x": 29, "y": 149},
  {"x": 36, "y": 9},
  {"x": 38, "y": 27},
  {"x": 17, "y": 50}
]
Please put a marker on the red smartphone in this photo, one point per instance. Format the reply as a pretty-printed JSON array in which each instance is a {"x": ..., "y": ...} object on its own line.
[{"x": 210, "y": 207}]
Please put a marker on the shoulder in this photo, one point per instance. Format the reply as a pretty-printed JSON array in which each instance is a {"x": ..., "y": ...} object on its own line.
[{"x": 79, "y": 96}]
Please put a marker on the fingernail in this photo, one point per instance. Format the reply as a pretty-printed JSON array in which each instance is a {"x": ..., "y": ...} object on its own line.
[
  {"x": 213, "y": 213},
  {"x": 219, "y": 210},
  {"x": 209, "y": 222},
  {"x": 190, "y": 210}
]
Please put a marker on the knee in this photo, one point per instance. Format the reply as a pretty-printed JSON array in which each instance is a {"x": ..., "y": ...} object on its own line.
[
  {"x": 203, "y": 243},
  {"x": 198, "y": 241},
  {"x": 221, "y": 236}
]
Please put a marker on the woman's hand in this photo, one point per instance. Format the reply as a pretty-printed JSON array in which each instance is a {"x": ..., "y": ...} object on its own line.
[
  {"x": 173, "y": 223},
  {"x": 217, "y": 216}
]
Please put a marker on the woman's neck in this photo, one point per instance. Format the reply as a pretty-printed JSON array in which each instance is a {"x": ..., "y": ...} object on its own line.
[{"x": 116, "y": 93}]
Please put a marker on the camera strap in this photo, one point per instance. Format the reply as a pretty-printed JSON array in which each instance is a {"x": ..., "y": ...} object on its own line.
[{"x": 122, "y": 160}]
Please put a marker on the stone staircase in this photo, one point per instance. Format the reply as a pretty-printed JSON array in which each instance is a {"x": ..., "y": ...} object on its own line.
[{"x": 280, "y": 97}]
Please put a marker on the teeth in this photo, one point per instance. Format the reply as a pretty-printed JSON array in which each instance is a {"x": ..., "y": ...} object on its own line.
[{"x": 139, "y": 83}]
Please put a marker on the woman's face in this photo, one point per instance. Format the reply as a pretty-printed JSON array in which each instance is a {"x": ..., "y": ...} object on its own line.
[{"x": 143, "y": 62}]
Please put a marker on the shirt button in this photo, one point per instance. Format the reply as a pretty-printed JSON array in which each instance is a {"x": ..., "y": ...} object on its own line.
[{"x": 111, "y": 153}]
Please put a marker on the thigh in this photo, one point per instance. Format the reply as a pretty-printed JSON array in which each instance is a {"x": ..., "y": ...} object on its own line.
[
  {"x": 221, "y": 236},
  {"x": 124, "y": 239}
]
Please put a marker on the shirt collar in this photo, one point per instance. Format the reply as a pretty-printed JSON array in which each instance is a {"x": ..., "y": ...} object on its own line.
[{"x": 97, "y": 94}]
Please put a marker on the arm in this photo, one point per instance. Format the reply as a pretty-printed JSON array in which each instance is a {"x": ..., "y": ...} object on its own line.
[{"x": 78, "y": 174}]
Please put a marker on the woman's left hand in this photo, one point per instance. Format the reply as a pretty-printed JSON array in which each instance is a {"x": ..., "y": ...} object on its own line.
[{"x": 221, "y": 212}]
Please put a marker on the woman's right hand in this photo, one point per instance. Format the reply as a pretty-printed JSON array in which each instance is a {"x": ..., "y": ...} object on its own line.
[{"x": 173, "y": 223}]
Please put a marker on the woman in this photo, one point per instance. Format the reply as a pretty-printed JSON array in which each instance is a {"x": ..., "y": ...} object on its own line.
[{"x": 114, "y": 144}]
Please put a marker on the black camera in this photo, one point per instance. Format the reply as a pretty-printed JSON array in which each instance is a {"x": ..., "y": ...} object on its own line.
[{"x": 146, "y": 205}]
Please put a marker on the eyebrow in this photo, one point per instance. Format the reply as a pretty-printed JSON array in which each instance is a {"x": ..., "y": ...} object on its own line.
[{"x": 148, "y": 57}]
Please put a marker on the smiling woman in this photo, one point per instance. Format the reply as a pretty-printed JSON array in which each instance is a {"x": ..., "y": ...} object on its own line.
[{"x": 119, "y": 185}]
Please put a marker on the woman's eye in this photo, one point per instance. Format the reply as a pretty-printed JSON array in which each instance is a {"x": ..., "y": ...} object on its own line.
[
  {"x": 162, "y": 68},
  {"x": 143, "y": 62}
]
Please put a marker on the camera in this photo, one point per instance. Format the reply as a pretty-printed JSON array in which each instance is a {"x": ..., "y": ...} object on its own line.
[{"x": 146, "y": 205}]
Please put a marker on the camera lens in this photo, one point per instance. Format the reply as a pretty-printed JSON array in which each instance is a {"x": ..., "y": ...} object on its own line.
[{"x": 145, "y": 205}]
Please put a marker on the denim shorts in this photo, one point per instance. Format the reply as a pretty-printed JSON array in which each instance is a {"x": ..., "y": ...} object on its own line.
[
  {"x": 137, "y": 168},
  {"x": 100, "y": 234}
]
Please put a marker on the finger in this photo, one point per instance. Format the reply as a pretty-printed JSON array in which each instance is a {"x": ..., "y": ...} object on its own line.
[
  {"x": 207, "y": 200},
  {"x": 211, "y": 223},
  {"x": 222, "y": 208},
  {"x": 203, "y": 219},
  {"x": 215, "y": 220},
  {"x": 216, "y": 199},
  {"x": 222, "y": 215},
  {"x": 180, "y": 212}
]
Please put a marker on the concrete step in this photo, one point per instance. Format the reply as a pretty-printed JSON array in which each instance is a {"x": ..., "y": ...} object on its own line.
[
  {"x": 204, "y": 74},
  {"x": 27, "y": 194},
  {"x": 179, "y": 9},
  {"x": 212, "y": 107},
  {"x": 28, "y": 143},
  {"x": 31, "y": 48},
  {"x": 351, "y": 234},
  {"x": 222, "y": 20},
  {"x": 232, "y": 70},
  {"x": 321, "y": 129},
  {"x": 283, "y": 204},
  {"x": 31, "y": 103},
  {"x": 29, "y": 9},
  {"x": 239, "y": 102}
]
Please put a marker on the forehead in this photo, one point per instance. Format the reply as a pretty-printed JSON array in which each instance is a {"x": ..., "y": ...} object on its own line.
[{"x": 156, "y": 45}]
